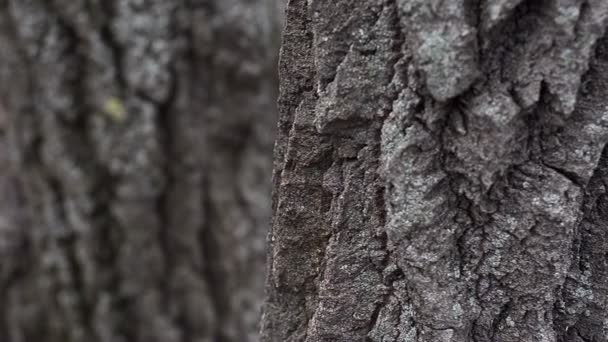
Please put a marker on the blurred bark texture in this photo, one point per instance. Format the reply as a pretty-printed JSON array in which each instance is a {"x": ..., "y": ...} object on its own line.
[
  {"x": 140, "y": 132},
  {"x": 440, "y": 173}
]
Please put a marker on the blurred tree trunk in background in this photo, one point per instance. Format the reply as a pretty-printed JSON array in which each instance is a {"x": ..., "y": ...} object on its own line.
[
  {"x": 141, "y": 134},
  {"x": 440, "y": 172}
]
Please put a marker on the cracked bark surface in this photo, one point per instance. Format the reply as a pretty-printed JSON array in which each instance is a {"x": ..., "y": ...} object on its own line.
[
  {"x": 440, "y": 173},
  {"x": 141, "y": 132}
]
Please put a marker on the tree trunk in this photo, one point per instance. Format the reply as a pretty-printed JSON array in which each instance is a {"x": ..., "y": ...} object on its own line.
[
  {"x": 140, "y": 131},
  {"x": 439, "y": 172}
]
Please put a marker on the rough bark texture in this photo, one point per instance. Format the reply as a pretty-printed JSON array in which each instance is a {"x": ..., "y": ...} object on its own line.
[
  {"x": 141, "y": 131},
  {"x": 439, "y": 172}
]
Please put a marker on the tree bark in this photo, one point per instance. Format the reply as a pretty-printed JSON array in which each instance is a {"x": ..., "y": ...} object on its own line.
[
  {"x": 440, "y": 172},
  {"x": 140, "y": 131}
]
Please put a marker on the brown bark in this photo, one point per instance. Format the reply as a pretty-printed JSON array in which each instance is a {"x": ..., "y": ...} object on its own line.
[
  {"x": 141, "y": 133},
  {"x": 439, "y": 172}
]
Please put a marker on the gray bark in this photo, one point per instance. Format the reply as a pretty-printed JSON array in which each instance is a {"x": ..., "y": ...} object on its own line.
[
  {"x": 439, "y": 172},
  {"x": 141, "y": 133}
]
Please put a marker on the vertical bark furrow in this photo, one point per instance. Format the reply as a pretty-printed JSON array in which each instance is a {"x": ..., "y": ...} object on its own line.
[
  {"x": 581, "y": 310},
  {"x": 143, "y": 146}
]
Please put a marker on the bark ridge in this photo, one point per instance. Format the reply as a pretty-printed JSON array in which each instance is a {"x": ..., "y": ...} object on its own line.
[{"x": 439, "y": 172}]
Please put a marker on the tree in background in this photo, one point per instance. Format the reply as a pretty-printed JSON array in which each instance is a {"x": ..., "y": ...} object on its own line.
[
  {"x": 440, "y": 174},
  {"x": 140, "y": 132}
]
